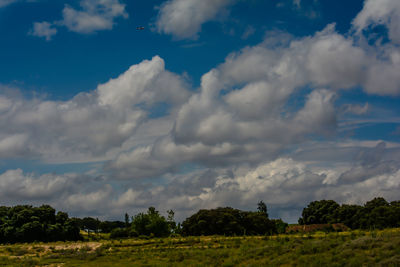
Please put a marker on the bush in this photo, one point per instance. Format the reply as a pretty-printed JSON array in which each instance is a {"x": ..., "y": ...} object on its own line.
[
  {"x": 119, "y": 233},
  {"x": 228, "y": 221},
  {"x": 150, "y": 223},
  {"x": 24, "y": 223}
]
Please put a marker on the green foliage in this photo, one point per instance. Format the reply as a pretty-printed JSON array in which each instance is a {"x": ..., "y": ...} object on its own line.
[
  {"x": 90, "y": 224},
  {"x": 319, "y": 212},
  {"x": 119, "y": 233},
  {"x": 280, "y": 226},
  {"x": 262, "y": 207},
  {"x": 108, "y": 226},
  {"x": 126, "y": 220},
  {"x": 375, "y": 214},
  {"x": 25, "y": 223},
  {"x": 227, "y": 221},
  {"x": 150, "y": 223}
]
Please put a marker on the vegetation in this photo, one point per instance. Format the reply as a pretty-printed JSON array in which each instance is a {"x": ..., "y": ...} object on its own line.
[
  {"x": 215, "y": 237},
  {"x": 375, "y": 214},
  {"x": 90, "y": 224},
  {"x": 228, "y": 221},
  {"x": 28, "y": 224},
  {"x": 354, "y": 248}
]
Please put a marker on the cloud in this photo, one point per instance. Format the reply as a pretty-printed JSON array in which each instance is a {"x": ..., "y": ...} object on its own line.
[
  {"x": 240, "y": 114},
  {"x": 15, "y": 185},
  {"x": 334, "y": 60},
  {"x": 146, "y": 83},
  {"x": 43, "y": 29},
  {"x": 249, "y": 130},
  {"x": 4, "y": 3},
  {"x": 380, "y": 12},
  {"x": 94, "y": 15},
  {"x": 183, "y": 18},
  {"x": 381, "y": 75},
  {"x": 285, "y": 184},
  {"x": 244, "y": 125},
  {"x": 356, "y": 109},
  {"x": 91, "y": 125}
]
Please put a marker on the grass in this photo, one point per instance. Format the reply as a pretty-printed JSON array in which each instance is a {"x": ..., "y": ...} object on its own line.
[{"x": 355, "y": 248}]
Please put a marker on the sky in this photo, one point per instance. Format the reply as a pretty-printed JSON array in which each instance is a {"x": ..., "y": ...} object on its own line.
[{"x": 212, "y": 103}]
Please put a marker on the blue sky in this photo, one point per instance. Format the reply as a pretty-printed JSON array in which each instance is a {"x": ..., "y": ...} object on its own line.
[{"x": 214, "y": 103}]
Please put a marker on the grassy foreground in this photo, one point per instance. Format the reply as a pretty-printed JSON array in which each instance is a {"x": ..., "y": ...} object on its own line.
[{"x": 356, "y": 248}]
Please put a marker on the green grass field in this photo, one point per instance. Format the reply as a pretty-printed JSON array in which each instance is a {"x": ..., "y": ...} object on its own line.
[{"x": 356, "y": 248}]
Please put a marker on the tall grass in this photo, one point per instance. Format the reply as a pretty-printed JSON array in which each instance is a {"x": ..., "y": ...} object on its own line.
[{"x": 356, "y": 248}]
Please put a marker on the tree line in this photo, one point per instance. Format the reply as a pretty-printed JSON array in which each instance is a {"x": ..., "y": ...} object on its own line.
[
  {"x": 25, "y": 223},
  {"x": 374, "y": 214}
]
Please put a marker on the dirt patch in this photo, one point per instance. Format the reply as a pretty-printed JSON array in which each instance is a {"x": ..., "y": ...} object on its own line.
[
  {"x": 317, "y": 227},
  {"x": 91, "y": 246}
]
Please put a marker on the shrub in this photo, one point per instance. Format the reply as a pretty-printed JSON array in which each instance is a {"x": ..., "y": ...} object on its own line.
[{"x": 119, "y": 233}]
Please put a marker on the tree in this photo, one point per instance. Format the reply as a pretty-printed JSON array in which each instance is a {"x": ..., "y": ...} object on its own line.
[
  {"x": 350, "y": 215},
  {"x": 171, "y": 221},
  {"x": 375, "y": 203},
  {"x": 227, "y": 221},
  {"x": 91, "y": 224},
  {"x": 126, "y": 220},
  {"x": 150, "y": 223},
  {"x": 376, "y": 213},
  {"x": 61, "y": 217},
  {"x": 119, "y": 233},
  {"x": 24, "y": 223},
  {"x": 262, "y": 207},
  {"x": 320, "y": 212}
]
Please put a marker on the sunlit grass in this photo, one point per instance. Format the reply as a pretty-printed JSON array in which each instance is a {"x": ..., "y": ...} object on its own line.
[{"x": 355, "y": 248}]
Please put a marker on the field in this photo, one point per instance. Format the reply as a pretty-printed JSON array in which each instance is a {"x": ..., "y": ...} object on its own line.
[{"x": 355, "y": 248}]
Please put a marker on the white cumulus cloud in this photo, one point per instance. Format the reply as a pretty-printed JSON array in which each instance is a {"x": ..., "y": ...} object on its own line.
[
  {"x": 184, "y": 18},
  {"x": 93, "y": 16},
  {"x": 90, "y": 125}
]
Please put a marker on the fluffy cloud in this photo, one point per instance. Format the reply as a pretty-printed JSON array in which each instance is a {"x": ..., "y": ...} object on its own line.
[
  {"x": 382, "y": 78},
  {"x": 336, "y": 61},
  {"x": 90, "y": 124},
  {"x": 15, "y": 185},
  {"x": 285, "y": 184},
  {"x": 380, "y": 12},
  {"x": 241, "y": 114},
  {"x": 94, "y": 15},
  {"x": 43, "y": 29},
  {"x": 381, "y": 75},
  {"x": 249, "y": 122},
  {"x": 183, "y": 18},
  {"x": 243, "y": 127},
  {"x": 146, "y": 83}
]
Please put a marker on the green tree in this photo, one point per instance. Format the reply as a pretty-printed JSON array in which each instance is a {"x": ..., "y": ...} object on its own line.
[
  {"x": 227, "y": 221},
  {"x": 150, "y": 223},
  {"x": 126, "y": 220},
  {"x": 320, "y": 212},
  {"x": 262, "y": 207},
  {"x": 24, "y": 223},
  {"x": 171, "y": 221}
]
